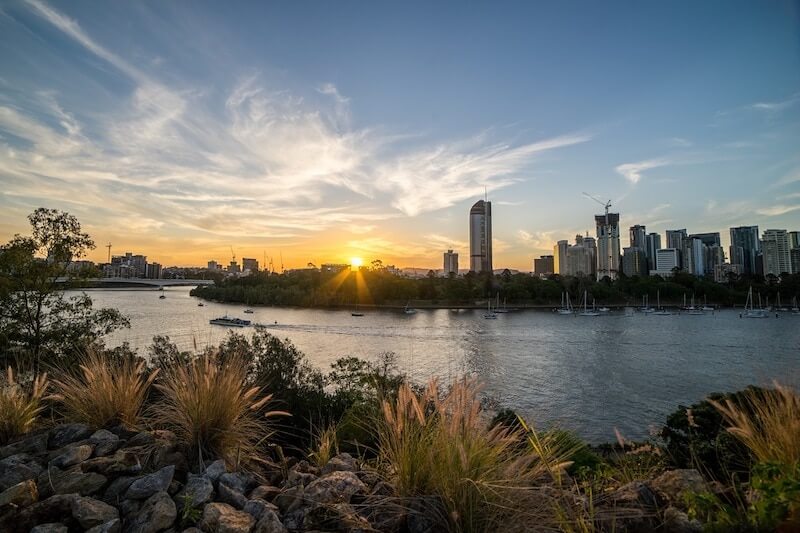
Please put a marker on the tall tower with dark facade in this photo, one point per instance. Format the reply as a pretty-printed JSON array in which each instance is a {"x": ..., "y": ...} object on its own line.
[{"x": 480, "y": 237}]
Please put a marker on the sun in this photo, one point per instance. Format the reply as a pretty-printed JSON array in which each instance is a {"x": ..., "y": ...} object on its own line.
[{"x": 356, "y": 261}]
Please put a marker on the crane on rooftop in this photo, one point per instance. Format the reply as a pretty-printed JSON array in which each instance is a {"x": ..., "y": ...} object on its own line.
[{"x": 606, "y": 205}]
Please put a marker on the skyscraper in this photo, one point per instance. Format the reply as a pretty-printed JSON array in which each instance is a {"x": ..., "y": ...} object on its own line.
[
  {"x": 450, "y": 262},
  {"x": 480, "y": 237},
  {"x": 775, "y": 247},
  {"x": 634, "y": 261},
  {"x": 653, "y": 245},
  {"x": 745, "y": 248},
  {"x": 581, "y": 258},
  {"x": 607, "y": 245},
  {"x": 675, "y": 239},
  {"x": 638, "y": 236},
  {"x": 544, "y": 266},
  {"x": 560, "y": 257}
]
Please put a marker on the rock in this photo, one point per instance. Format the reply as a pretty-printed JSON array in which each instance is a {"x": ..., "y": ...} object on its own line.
[
  {"x": 129, "y": 507},
  {"x": 122, "y": 462},
  {"x": 342, "y": 462},
  {"x": 296, "y": 478},
  {"x": 65, "y": 434},
  {"x": 90, "y": 512},
  {"x": 214, "y": 470},
  {"x": 158, "y": 512},
  {"x": 269, "y": 523},
  {"x": 336, "y": 487},
  {"x": 304, "y": 467},
  {"x": 673, "y": 484},
  {"x": 33, "y": 445},
  {"x": 146, "y": 486},
  {"x": 222, "y": 518},
  {"x": 20, "y": 495},
  {"x": 116, "y": 489},
  {"x": 257, "y": 507},
  {"x": 198, "y": 491},
  {"x": 229, "y": 495},
  {"x": 676, "y": 521},
  {"x": 57, "y": 508},
  {"x": 294, "y": 521},
  {"x": 192, "y": 530},
  {"x": 113, "y": 526},
  {"x": 54, "y": 527},
  {"x": 72, "y": 456},
  {"x": 144, "y": 438},
  {"x": 55, "y": 481},
  {"x": 264, "y": 492},
  {"x": 635, "y": 494},
  {"x": 16, "y": 469},
  {"x": 104, "y": 442}
]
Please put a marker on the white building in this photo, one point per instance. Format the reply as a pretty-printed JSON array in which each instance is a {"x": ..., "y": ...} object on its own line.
[
  {"x": 608, "y": 249},
  {"x": 666, "y": 260},
  {"x": 450, "y": 263},
  {"x": 776, "y": 250}
]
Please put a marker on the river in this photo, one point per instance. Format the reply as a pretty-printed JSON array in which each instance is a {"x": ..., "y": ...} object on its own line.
[{"x": 587, "y": 374}]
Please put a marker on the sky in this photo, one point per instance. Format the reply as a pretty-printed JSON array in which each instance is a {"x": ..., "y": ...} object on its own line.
[{"x": 320, "y": 131}]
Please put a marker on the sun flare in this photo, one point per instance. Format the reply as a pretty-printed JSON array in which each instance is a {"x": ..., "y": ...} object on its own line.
[{"x": 356, "y": 261}]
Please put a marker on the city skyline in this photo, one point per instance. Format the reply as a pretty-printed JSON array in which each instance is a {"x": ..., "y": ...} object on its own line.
[{"x": 191, "y": 129}]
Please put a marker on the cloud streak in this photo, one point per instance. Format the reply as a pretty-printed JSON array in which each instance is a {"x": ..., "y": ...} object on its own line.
[{"x": 633, "y": 172}]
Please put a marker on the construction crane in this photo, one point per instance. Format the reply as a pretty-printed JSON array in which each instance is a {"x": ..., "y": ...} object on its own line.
[
  {"x": 606, "y": 205},
  {"x": 233, "y": 255},
  {"x": 109, "y": 252}
]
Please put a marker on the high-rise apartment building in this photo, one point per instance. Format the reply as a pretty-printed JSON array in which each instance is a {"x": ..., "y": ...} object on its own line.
[
  {"x": 544, "y": 266},
  {"x": 450, "y": 263},
  {"x": 560, "y": 257},
  {"x": 653, "y": 245},
  {"x": 608, "y": 248},
  {"x": 776, "y": 251},
  {"x": 153, "y": 270},
  {"x": 480, "y": 237},
  {"x": 249, "y": 264},
  {"x": 667, "y": 259},
  {"x": 638, "y": 236},
  {"x": 675, "y": 239},
  {"x": 213, "y": 265},
  {"x": 745, "y": 248},
  {"x": 581, "y": 258},
  {"x": 794, "y": 239},
  {"x": 634, "y": 261},
  {"x": 709, "y": 239}
]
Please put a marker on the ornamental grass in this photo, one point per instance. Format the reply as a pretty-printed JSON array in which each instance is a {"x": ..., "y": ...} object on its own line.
[{"x": 20, "y": 406}]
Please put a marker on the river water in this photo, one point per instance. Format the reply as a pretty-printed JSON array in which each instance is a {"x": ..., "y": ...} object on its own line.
[{"x": 587, "y": 374}]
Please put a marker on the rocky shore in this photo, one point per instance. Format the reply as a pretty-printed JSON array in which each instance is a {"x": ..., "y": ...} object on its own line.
[{"x": 74, "y": 478}]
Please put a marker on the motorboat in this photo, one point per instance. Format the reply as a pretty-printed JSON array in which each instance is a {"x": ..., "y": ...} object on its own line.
[
  {"x": 229, "y": 321},
  {"x": 201, "y": 304},
  {"x": 163, "y": 296},
  {"x": 248, "y": 311},
  {"x": 408, "y": 310}
]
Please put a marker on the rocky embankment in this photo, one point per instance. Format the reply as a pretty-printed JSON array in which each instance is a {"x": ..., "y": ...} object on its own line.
[{"x": 73, "y": 478}]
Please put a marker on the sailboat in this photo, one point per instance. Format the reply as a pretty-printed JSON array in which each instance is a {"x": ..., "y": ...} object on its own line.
[
  {"x": 586, "y": 311},
  {"x": 497, "y": 308},
  {"x": 705, "y": 305},
  {"x": 749, "y": 309},
  {"x": 408, "y": 310},
  {"x": 566, "y": 308},
  {"x": 694, "y": 310},
  {"x": 645, "y": 305},
  {"x": 489, "y": 314},
  {"x": 661, "y": 311},
  {"x": 795, "y": 309}
]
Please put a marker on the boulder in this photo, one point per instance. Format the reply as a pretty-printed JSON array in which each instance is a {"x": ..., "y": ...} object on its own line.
[
  {"x": 104, "y": 442},
  {"x": 146, "y": 486},
  {"x": 53, "y": 527},
  {"x": 116, "y": 489},
  {"x": 676, "y": 521},
  {"x": 122, "y": 462},
  {"x": 336, "y": 517},
  {"x": 336, "y": 487},
  {"x": 157, "y": 513},
  {"x": 269, "y": 523},
  {"x": 57, "y": 508},
  {"x": 635, "y": 494},
  {"x": 673, "y": 484},
  {"x": 231, "y": 496},
  {"x": 222, "y": 518},
  {"x": 198, "y": 491},
  {"x": 90, "y": 512},
  {"x": 65, "y": 434},
  {"x": 144, "y": 438},
  {"x": 20, "y": 495},
  {"x": 113, "y": 526},
  {"x": 296, "y": 478},
  {"x": 72, "y": 455},
  {"x": 290, "y": 499},
  {"x": 214, "y": 470},
  {"x": 236, "y": 481},
  {"x": 33, "y": 445},
  {"x": 16, "y": 469},
  {"x": 265, "y": 492},
  {"x": 342, "y": 462}
]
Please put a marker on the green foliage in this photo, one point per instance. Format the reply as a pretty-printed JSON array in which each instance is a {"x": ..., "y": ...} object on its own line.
[
  {"x": 189, "y": 515},
  {"x": 35, "y": 316},
  {"x": 696, "y": 437}
]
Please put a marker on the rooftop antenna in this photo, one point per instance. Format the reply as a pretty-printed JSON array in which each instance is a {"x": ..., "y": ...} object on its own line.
[{"x": 109, "y": 251}]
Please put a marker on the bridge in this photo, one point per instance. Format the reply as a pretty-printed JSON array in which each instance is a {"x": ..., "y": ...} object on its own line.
[{"x": 101, "y": 282}]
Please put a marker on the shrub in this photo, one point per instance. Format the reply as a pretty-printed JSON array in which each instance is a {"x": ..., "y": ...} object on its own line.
[
  {"x": 20, "y": 407},
  {"x": 441, "y": 447},
  {"x": 213, "y": 409},
  {"x": 104, "y": 390}
]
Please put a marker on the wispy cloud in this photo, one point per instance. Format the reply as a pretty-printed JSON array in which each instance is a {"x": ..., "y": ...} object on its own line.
[
  {"x": 780, "y": 105},
  {"x": 633, "y": 171},
  {"x": 777, "y": 210}
]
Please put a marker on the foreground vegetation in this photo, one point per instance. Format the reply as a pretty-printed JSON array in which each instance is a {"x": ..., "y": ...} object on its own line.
[{"x": 378, "y": 287}]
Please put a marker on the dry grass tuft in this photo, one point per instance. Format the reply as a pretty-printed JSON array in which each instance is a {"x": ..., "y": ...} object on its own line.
[
  {"x": 326, "y": 445},
  {"x": 441, "y": 446},
  {"x": 212, "y": 409},
  {"x": 19, "y": 408},
  {"x": 768, "y": 423},
  {"x": 104, "y": 392}
]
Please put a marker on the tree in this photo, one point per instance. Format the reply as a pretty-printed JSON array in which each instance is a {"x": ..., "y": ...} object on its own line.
[{"x": 36, "y": 318}]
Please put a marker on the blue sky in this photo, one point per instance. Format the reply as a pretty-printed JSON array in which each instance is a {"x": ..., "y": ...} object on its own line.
[{"x": 329, "y": 130}]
